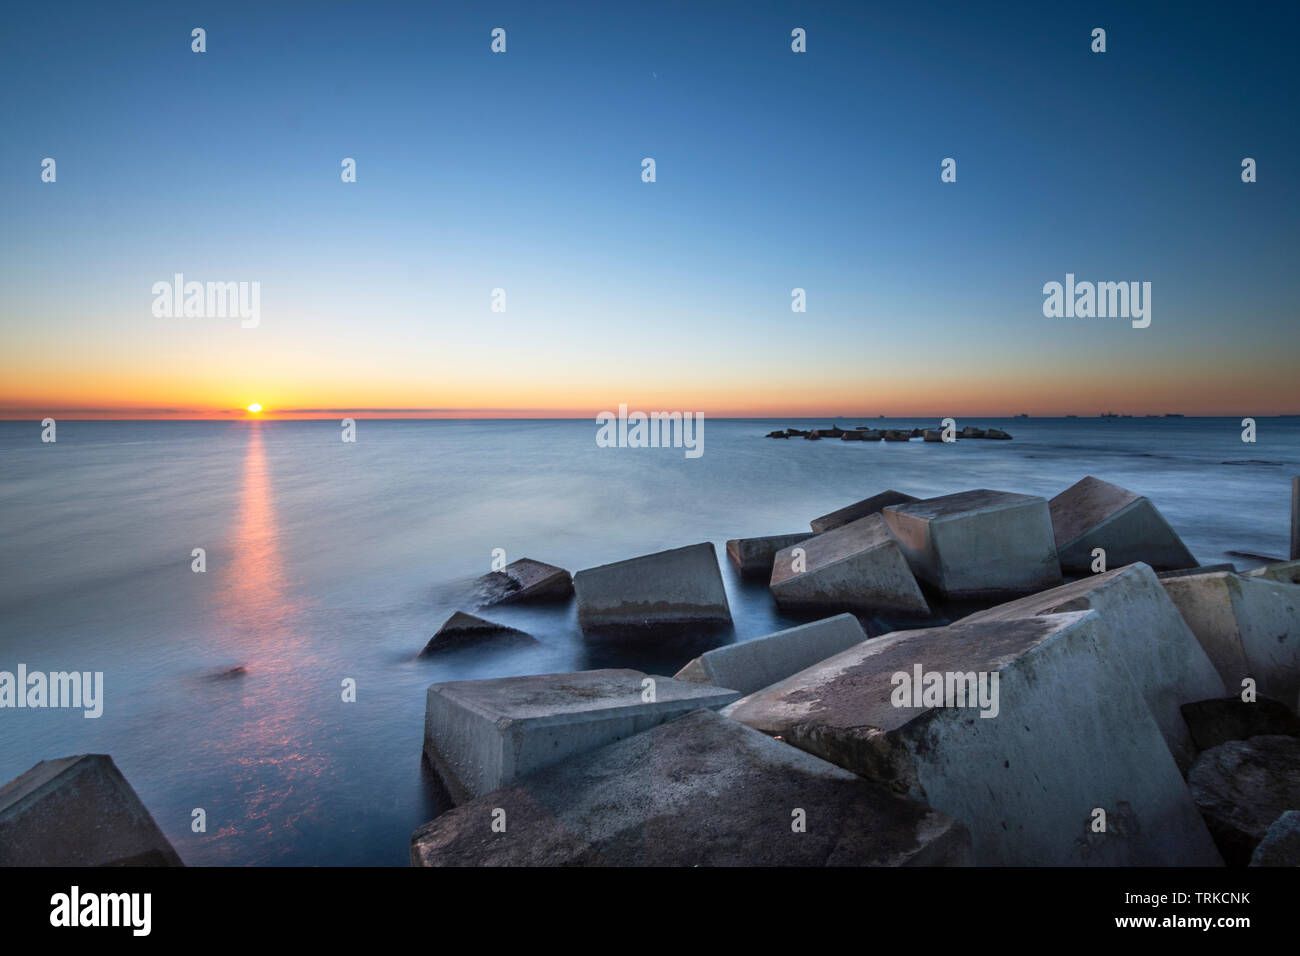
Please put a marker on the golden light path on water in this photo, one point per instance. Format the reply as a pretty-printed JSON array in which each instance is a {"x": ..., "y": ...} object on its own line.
[{"x": 272, "y": 737}]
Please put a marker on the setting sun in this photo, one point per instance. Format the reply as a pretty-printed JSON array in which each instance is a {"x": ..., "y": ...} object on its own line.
[{"x": 255, "y": 408}]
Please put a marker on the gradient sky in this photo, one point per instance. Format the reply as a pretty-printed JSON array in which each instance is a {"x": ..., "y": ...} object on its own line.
[{"x": 522, "y": 171}]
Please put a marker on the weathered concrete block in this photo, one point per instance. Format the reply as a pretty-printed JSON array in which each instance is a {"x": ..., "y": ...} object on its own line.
[
  {"x": 1214, "y": 722},
  {"x": 1096, "y": 514},
  {"x": 463, "y": 630},
  {"x": 668, "y": 589},
  {"x": 481, "y": 734},
  {"x": 978, "y": 543},
  {"x": 1068, "y": 733},
  {"x": 753, "y": 556},
  {"x": 752, "y": 665},
  {"x": 1142, "y": 628},
  {"x": 524, "y": 580},
  {"x": 855, "y": 567},
  {"x": 78, "y": 811},
  {"x": 860, "y": 509},
  {"x": 1281, "y": 843},
  {"x": 1242, "y": 786},
  {"x": 698, "y": 791},
  {"x": 1249, "y": 627}
]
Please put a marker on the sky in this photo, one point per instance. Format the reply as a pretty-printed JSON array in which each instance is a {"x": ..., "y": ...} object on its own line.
[{"x": 522, "y": 171}]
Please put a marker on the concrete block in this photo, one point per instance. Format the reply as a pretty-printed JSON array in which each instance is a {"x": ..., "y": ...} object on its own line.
[
  {"x": 78, "y": 811},
  {"x": 698, "y": 791},
  {"x": 677, "y": 588},
  {"x": 860, "y": 509},
  {"x": 978, "y": 544},
  {"x": 855, "y": 567},
  {"x": 748, "y": 666},
  {"x": 463, "y": 630},
  {"x": 481, "y": 734},
  {"x": 1067, "y": 733},
  {"x": 1142, "y": 628},
  {"x": 523, "y": 581},
  {"x": 753, "y": 556},
  {"x": 1249, "y": 627},
  {"x": 1096, "y": 514}
]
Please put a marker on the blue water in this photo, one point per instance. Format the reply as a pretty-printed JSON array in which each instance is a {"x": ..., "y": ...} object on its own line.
[{"x": 328, "y": 561}]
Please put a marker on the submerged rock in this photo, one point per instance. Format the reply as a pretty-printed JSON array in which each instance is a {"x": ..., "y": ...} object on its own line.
[
  {"x": 463, "y": 630},
  {"x": 78, "y": 811},
  {"x": 698, "y": 791}
]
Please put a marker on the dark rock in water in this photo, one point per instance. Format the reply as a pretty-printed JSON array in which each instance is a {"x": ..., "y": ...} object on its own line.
[
  {"x": 777, "y": 434},
  {"x": 524, "y": 580},
  {"x": 853, "y": 435},
  {"x": 700, "y": 790},
  {"x": 795, "y": 431},
  {"x": 228, "y": 673},
  {"x": 918, "y": 432},
  {"x": 932, "y": 435},
  {"x": 813, "y": 435},
  {"x": 833, "y": 432},
  {"x": 1281, "y": 844},
  {"x": 1241, "y": 787},
  {"x": 465, "y": 630},
  {"x": 970, "y": 431},
  {"x": 1213, "y": 722},
  {"x": 895, "y": 435},
  {"x": 78, "y": 811},
  {"x": 997, "y": 433}
]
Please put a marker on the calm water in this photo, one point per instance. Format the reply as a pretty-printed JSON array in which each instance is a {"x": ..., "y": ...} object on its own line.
[{"x": 328, "y": 561}]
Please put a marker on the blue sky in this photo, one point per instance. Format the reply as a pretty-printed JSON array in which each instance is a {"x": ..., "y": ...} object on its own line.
[{"x": 774, "y": 170}]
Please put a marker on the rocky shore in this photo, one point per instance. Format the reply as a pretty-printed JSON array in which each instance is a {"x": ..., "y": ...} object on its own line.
[{"x": 1066, "y": 685}]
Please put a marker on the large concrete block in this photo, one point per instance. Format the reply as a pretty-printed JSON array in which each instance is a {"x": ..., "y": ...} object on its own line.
[
  {"x": 523, "y": 581},
  {"x": 752, "y": 665},
  {"x": 1249, "y": 627},
  {"x": 753, "y": 556},
  {"x": 1283, "y": 572},
  {"x": 978, "y": 543},
  {"x": 699, "y": 791},
  {"x": 860, "y": 509},
  {"x": 78, "y": 811},
  {"x": 481, "y": 734},
  {"x": 1068, "y": 733},
  {"x": 1096, "y": 514},
  {"x": 671, "y": 589},
  {"x": 855, "y": 567},
  {"x": 1141, "y": 627}
]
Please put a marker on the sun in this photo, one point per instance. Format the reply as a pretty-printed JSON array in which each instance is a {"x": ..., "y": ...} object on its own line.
[{"x": 255, "y": 408}]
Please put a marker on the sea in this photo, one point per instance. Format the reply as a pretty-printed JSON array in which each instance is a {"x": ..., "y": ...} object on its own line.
[{"x": 329, "y": 564}]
